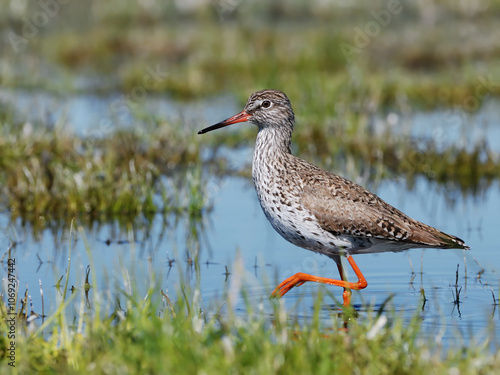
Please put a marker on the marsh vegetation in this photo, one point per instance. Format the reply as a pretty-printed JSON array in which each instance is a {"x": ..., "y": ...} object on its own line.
[{"x": 398, "y": 98}]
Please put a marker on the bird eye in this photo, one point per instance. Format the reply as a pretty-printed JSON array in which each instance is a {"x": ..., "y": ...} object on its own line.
[{"x": 266, "y": 104}]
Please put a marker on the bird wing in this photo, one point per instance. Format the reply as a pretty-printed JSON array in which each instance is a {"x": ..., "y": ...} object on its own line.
[{"x": 345, "y": 208}]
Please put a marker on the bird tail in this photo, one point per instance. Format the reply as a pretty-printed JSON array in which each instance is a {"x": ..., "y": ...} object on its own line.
[{"x": 451, "y": 242}]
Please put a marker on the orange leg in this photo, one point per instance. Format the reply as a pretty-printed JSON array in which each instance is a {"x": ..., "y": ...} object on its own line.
[
  {"x": 347, "y": 292},
  {"x": 300, "y": 278}
]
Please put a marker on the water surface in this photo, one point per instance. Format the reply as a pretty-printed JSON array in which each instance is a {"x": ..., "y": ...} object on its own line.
[{"x": 234, "y": 246}]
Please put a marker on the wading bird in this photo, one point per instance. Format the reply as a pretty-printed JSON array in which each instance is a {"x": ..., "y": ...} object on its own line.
[{"x": 318, "y": 210}]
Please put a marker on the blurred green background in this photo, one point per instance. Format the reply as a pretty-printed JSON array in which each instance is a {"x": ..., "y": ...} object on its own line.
[
  {"x": 385, "y": 92},
  {"x": 356, "y": 73},
  {"x": 431, "y": 52}
]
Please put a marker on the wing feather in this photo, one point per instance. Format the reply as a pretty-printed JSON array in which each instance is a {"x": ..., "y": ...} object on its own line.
[{"x": 345, "y": 208}]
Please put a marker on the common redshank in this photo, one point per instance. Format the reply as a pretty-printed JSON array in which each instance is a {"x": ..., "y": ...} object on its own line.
[{"x": 318, "y": 210}]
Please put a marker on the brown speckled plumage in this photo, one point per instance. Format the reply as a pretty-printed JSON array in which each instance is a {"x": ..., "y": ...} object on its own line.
[{"x": 316, "y": 209}]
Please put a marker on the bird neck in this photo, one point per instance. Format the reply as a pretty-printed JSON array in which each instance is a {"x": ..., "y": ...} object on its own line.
[
  {"x": 272, "y": 148},
  {"x": 273, "y": 141}
]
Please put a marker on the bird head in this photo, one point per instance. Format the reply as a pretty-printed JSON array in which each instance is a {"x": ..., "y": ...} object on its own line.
[{"x": 266, "y": 108}]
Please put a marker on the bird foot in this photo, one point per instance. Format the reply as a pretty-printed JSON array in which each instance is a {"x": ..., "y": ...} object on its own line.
[
  {"x": 296, "y": 280},
  {"x": 300, "y": 278}
]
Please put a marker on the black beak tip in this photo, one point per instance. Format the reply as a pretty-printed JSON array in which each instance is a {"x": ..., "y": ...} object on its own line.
[{"x": 204, "y": 130}]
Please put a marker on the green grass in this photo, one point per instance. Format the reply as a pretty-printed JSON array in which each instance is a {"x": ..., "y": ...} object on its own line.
[
  {"x": 153, "y": 334},
  {"x": 57, "y": 174},
  {"x": 202, "y": 55},
  {"x": 184, "y": 333},
  {"x": 295, "y": 47}
]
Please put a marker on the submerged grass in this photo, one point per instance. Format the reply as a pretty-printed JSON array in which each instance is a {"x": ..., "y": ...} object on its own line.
[
  {"x": 156, "y": 168},
  {"x": 151, "y": 334},
  {"x": 157, "y": 332},
  {"x": 54, "y": 173},
  {"x": 298, "y": 48}
]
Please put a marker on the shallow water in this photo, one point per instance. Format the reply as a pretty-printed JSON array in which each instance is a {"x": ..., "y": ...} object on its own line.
[
  {"x": 236, "y": 235},
  {"x": 92, "y": 115},
  {"x": 98, "y": 115}
]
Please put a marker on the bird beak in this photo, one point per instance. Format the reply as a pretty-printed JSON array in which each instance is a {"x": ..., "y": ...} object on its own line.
[{"x": 240, "y": 117}]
